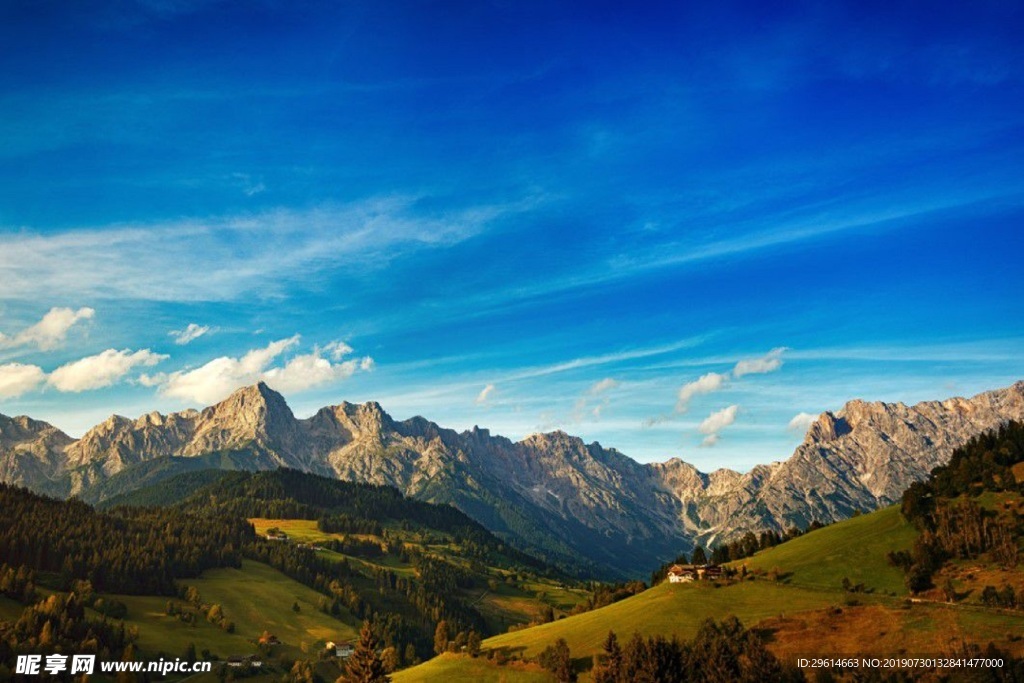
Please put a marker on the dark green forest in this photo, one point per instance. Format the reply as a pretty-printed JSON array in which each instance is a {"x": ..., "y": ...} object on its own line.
[{"x": 70, "y": 547}]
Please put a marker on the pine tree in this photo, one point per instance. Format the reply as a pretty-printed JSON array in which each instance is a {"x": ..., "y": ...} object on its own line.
[
  {"x": 557, "y": 659},
  {"x": 365, "y": 665},
  {"x": 473, "y": 643},
  {"x": 441, "y": 637},
  {"x": 609, "y": 669}
]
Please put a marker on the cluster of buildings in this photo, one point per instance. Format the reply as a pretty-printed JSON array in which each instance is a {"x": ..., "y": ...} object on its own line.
[
  {"x": 341, "y": 650},
  {"x": 685, "y": 573},
  {"x": 275, "y": 535}
]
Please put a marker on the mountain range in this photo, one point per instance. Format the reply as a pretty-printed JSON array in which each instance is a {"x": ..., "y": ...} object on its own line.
[{"x": 585, "y": 507}]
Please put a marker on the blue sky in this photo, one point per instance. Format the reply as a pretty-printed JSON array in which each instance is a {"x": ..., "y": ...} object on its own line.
[{"x": 677, "y": 230}]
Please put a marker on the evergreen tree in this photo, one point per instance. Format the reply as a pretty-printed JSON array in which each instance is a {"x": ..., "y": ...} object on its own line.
[
  {"x": 441, "y": 637},
  {"x": 609, "y": 669},
  {"x": 365, "y": 665},
  {"x": 698, "y": 556},
  {"x": 547, "y": 614},
  {"x": 557, "y": 660},
  {"x": 473, "y": 644}
]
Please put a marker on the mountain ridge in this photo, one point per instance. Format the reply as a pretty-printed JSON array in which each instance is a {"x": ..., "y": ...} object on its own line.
[{"x": 552, "y": 493}]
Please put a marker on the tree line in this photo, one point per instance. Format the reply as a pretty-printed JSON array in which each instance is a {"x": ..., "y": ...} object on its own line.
[
  {"x": 951, "y": 524},
  {"x": 124, "y": 550}
]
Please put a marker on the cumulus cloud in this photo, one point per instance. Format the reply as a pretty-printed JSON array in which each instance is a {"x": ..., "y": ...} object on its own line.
[
  {"x": 101, "y": 370},
  {"x": 802, "y": 421},
  {"x": 310, "y": 370},
  {"x": 220, "y": 376},
  {"x": 708, "y": 383},
  {"x": 189, "y": 334},
  {"x": 485, "y": 395},
  {"x": 709, "y": 441},
  {"x": 716, "y": 422},
  {"x": 770, "y": 362},
  {"x": 17, "y": 379},
  {"x": 50, "y": 332}
]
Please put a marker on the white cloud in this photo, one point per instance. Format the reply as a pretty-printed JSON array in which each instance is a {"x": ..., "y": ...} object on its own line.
[
  {"x": 220, "y": 376},
  {"x": 17, "y": 379},
  {"x": 710, "y": 441},
  {"x": 716, "y": 422},
  {"x": 51, "y": 331},
  {"x": 708, "y": 383},
  {"x": 337, "y": 350},
  {"x": 485, "y": 395},
  {"x": 189, "y": 334},
  {"x": 101, "y": 370},
  {"x": 770, "y": 362},
  {"x": 598, "y": 391},
  {"x": 226, "y": 258},
  {"x": 802, "y": 421},
  {"x": 152, "y": 380},
  {"x": 307, "y": 371},
  {"x": 606, "y": 384}
]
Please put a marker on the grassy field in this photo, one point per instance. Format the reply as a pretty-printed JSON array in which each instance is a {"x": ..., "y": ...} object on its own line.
[
  {"x": 807, "y": 612},
  {"x": 298, "y": 530},
  {"x": 462, "y": 669},
  {"x": 258, "y": 597},
  {"x": 665, "y": 609},
  {"x": 855, "y": 549},
  {"x": 501, "y": 606}
]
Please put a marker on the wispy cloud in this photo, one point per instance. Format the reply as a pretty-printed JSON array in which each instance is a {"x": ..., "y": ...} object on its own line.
[
  {"x": 221, "y": 259},
  {"x": 189, "y": 334},
  {"x": 754, "y": 237},
  {"x": 603, "y": 359},
  {"x": 595, "y": 400},
  {"x": 50, "y": 332},
  {"x": 770, "y": 362},
  {"x": 485, "y": 395},
  {"x": 602, "y": 386}
]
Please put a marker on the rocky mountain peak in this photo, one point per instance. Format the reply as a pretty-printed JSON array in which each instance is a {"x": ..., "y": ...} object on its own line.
[
  {"x": 251, "y": 412},
  {"x": 14, "y": 430},
  {"x": 828, "y": 427},
  {"x": 254, "y": 399}
]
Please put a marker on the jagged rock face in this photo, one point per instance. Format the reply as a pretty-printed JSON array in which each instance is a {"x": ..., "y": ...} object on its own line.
[
  {"x": 32, "y": 453},
  {"x": 552, "y": 493},
  {"x": 119, "y": 442},
  {"x": 860, "y": 458}
]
